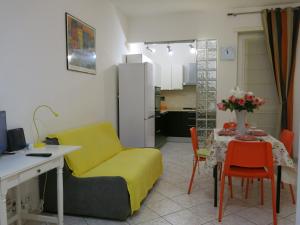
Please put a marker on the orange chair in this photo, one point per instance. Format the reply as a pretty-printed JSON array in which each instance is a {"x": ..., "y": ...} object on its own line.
[
  {"x": 249, "y": 160},
  {"x": 287, "y": 138},
  {"x": 199, "y": 155}
]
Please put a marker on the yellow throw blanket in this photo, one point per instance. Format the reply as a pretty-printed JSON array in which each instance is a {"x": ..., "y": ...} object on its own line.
[{"x": 139, "y": 167}]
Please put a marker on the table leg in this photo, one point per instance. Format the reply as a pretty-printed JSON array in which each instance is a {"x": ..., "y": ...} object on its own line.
[
  {"x": 278, "y": 189},
  {"x": 60, "y": 197},
  {"x": 3, "y": 212},
  {"x": 215, "y": 185},
  {"x": 18, "y": 204}
]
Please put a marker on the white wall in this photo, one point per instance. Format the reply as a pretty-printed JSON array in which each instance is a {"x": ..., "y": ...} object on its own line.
[{"x": 33, "y": 64}]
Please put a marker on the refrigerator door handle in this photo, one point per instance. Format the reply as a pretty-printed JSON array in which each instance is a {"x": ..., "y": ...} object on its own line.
[{"x": 150, "y": 117}]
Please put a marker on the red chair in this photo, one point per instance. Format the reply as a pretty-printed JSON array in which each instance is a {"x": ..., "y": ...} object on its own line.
[
  {"x": 287, "y": 138},
  {"x": 199, "y": 155},
  {"x": 249, "y": 160}
]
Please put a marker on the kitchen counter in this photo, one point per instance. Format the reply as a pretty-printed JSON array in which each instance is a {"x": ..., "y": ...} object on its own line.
[{"x": 177, "y": 110}]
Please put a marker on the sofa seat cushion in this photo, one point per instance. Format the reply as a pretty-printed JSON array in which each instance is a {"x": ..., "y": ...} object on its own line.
[
  {"x": 99, "y": 142},
  {"x": 139, "y": 167}
]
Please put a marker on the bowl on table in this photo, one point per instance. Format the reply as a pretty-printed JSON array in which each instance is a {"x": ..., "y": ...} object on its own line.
[
  {"x": 257, "y": 133},
  {"x": 246, "y": 137},
  {"x": 227, "y": 132}
]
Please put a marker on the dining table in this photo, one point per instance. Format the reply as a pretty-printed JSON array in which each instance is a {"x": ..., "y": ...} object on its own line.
[{"x": 217, "y": 152}]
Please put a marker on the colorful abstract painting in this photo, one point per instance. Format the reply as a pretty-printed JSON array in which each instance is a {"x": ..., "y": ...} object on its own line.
[{"x": 81, "y": 46}]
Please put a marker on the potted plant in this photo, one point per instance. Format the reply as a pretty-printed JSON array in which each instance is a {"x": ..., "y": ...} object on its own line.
[{"x": 241, "y": 102}]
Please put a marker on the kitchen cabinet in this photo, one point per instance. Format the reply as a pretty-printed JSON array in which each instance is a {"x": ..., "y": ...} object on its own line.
[
  {"x": 179, "y": 123},
  {"x": 171, "y": 77},
  {"x": 190, "y": 74},
  {"x": 160, "y": 129},
  {"x": 177, "y": 77},
  {"x": 166, "y": 77},
  {"x": 157, "y": 75}
]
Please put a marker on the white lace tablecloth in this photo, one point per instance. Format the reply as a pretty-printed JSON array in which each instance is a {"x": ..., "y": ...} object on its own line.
[{"x": 218, "y": 148}]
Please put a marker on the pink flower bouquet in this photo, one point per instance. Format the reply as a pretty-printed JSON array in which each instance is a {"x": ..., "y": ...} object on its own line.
[{"x": 240, "y": 100}]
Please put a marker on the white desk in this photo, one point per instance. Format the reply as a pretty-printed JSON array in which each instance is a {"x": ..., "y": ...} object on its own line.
[{"x": 15, "y": 169}]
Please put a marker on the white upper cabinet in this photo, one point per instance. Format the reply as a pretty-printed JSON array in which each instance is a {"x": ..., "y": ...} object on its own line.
[
  {"x": 171, "y": 77},
  {"x": 190, "y": 74},
  {"x": 166, "y": 77},
  {"x": 157, "y": 75},
  {"x": 177, "y": 77}
]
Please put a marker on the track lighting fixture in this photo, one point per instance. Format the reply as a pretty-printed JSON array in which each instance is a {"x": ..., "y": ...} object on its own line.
[
  {"x": 170, "y": 51},
  {"x": 192, "y": 49},
  {"x": 153, "y": 50}
]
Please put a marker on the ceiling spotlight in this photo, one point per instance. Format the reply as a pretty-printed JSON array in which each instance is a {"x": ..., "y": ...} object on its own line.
[
  {"x": 170, "y": 51},
  {"x": 192, "y": 49},
  {"x": 153, "y": 50}
]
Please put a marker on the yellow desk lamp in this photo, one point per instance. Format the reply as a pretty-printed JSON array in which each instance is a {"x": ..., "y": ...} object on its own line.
[{"x": 39, "y": 143}]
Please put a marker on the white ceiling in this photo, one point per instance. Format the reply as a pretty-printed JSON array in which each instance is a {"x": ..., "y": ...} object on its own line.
[{"x": 152, "y": 7}]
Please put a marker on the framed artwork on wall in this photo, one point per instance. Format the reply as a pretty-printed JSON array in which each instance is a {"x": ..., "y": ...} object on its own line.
[{"x": 81, "y": 45}]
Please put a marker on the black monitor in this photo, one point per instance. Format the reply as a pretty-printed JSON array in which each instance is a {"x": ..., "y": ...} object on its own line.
[{"x": 3, "y": 132}]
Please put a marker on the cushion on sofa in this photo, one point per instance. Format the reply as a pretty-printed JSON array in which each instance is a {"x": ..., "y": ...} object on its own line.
[
  {"x": 99, "y": 143},
  {"x": 139, "y": 167}
]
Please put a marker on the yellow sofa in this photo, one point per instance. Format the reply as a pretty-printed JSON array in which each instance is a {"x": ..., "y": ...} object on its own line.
[{"x": 102, "y": 155}]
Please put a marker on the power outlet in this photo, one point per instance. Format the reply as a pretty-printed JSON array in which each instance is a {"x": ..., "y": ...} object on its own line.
[
  {"x": 11, "y": 207},
  {"x": 26, "y": 203}
]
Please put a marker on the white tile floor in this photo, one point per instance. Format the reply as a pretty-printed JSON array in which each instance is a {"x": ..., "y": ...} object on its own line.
[{"x": 169, "y": 204}]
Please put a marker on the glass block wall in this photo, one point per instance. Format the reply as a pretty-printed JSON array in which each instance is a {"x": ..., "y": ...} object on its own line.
[{"x": 206, "y": 87}]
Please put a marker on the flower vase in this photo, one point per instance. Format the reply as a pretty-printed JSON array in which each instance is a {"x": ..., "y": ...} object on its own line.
[{"x": 241, "y": 121}]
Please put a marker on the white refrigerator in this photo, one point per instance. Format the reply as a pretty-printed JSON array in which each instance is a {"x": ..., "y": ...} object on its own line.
[{"x": 136, "y": 105}]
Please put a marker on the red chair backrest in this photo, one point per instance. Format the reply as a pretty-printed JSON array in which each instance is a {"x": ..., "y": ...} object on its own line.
[
  {"x": 229, "y": 125},
  {"x": 194, "y": 137},
  {"x": 287, "y": 138},
  {"x": 249, "y": 154}
]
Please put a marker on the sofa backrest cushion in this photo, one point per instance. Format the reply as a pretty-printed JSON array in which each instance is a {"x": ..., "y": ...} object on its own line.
[{"x": 98, "y": 142}]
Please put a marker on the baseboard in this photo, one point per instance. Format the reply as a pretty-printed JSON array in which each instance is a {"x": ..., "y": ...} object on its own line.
[{"x": 179, "y": 139}]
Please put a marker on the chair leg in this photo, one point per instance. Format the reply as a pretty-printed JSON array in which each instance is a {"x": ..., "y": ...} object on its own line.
[
  {"x": 247, "y": 188},
  {"x": 262, "y": 191},
  {"x": 230, "y": 186},
  {"x": 292, "y": 194},
  {"x": 220, "y": 174},
  {"x": 273, "y": 202},
  {"x": 242, "y": 182},
  {"x": 199, "y": 168},
  {"x": 193, "y": 175},
  {"x": 221, "y": 198}
]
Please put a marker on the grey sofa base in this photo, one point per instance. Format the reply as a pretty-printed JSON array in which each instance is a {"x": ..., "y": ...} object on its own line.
[{"x": 101, "y": 197}]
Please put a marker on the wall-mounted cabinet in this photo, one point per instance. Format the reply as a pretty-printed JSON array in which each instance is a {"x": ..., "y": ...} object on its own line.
[
  {"x": 171, "y": 77},
  {"x": 166, "y": 77},
  {"x": 157, "y": 75},
  {"x": 190, "y": 74}
]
